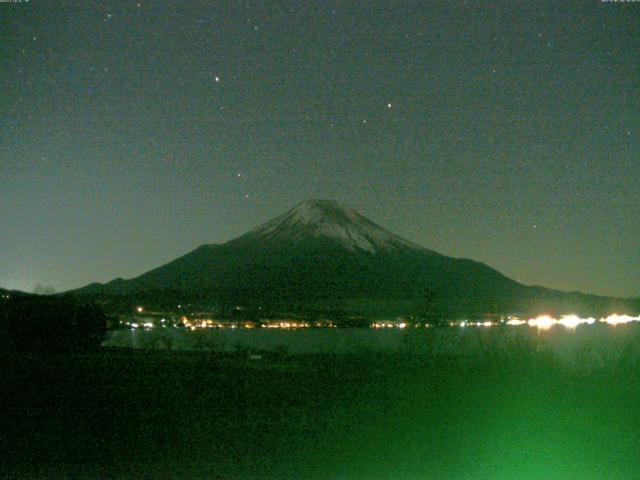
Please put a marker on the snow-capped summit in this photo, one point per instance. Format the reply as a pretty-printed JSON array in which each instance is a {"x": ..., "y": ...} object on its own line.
[{"x": 328, "y": 220}]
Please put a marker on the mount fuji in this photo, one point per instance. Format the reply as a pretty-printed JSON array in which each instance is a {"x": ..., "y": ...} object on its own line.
[{"x": 321, "y": 257}]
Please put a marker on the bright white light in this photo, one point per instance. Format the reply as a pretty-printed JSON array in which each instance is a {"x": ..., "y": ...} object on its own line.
[
  {"x": 572, "y": 321},
  {"x": 134, "y": 325},
  {"x": 544, "y": 322},
  {"x": 402, "y": 325},
  {"x": 616, "y": 319},
  {"x": 140, "y": 309},
  {"x": 487, "y": 324},
  {"x": 515, "y": 321}
]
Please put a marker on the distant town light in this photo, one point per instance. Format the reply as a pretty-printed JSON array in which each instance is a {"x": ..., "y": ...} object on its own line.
[
  {"x": 544, "y": 322},
  {"x": 140, "y": 309},
  {"x": 572, "y": 321},
  {"x": 616, "y": 319},
  {"x": 516, "y": 322}
]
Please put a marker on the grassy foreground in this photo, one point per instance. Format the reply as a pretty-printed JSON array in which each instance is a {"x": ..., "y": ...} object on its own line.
[{"x": 162, "y": 414}]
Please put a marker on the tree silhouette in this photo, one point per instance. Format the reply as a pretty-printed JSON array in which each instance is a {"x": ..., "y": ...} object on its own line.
[
  {"x": 44, "y": 289},
  {"x": 50, "y": 323}
]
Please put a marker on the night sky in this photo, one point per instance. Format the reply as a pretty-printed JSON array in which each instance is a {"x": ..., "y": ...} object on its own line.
[{"x": 507, "y": 132}]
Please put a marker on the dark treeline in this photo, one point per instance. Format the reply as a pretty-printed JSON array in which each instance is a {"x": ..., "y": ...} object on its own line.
[
  {"x": 431, "y": 306},
  {"x": 54, "y": 323}
]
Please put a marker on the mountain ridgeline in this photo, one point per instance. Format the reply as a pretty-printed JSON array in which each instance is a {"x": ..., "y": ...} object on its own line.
[{"x": 321, "y": 258}]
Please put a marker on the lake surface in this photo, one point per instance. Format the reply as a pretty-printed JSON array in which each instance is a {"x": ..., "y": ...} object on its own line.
[
  {"x": 599, "y": 343},
  {"x": 453, "y": 411}
]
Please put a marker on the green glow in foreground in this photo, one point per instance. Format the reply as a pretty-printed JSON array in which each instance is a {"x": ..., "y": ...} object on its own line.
[{"x": 143, "y": 414}]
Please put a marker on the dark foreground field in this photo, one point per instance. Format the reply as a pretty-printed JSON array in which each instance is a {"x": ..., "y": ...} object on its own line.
[{"x": 136, "y": 414}]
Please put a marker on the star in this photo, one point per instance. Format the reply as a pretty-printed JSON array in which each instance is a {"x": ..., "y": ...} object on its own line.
[
  {"x": 217, "y": 79},
  {"x": 388, "y": 105}
]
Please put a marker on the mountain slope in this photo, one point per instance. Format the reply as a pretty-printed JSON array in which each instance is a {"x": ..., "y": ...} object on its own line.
[{"x": 320, "y": 254}]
